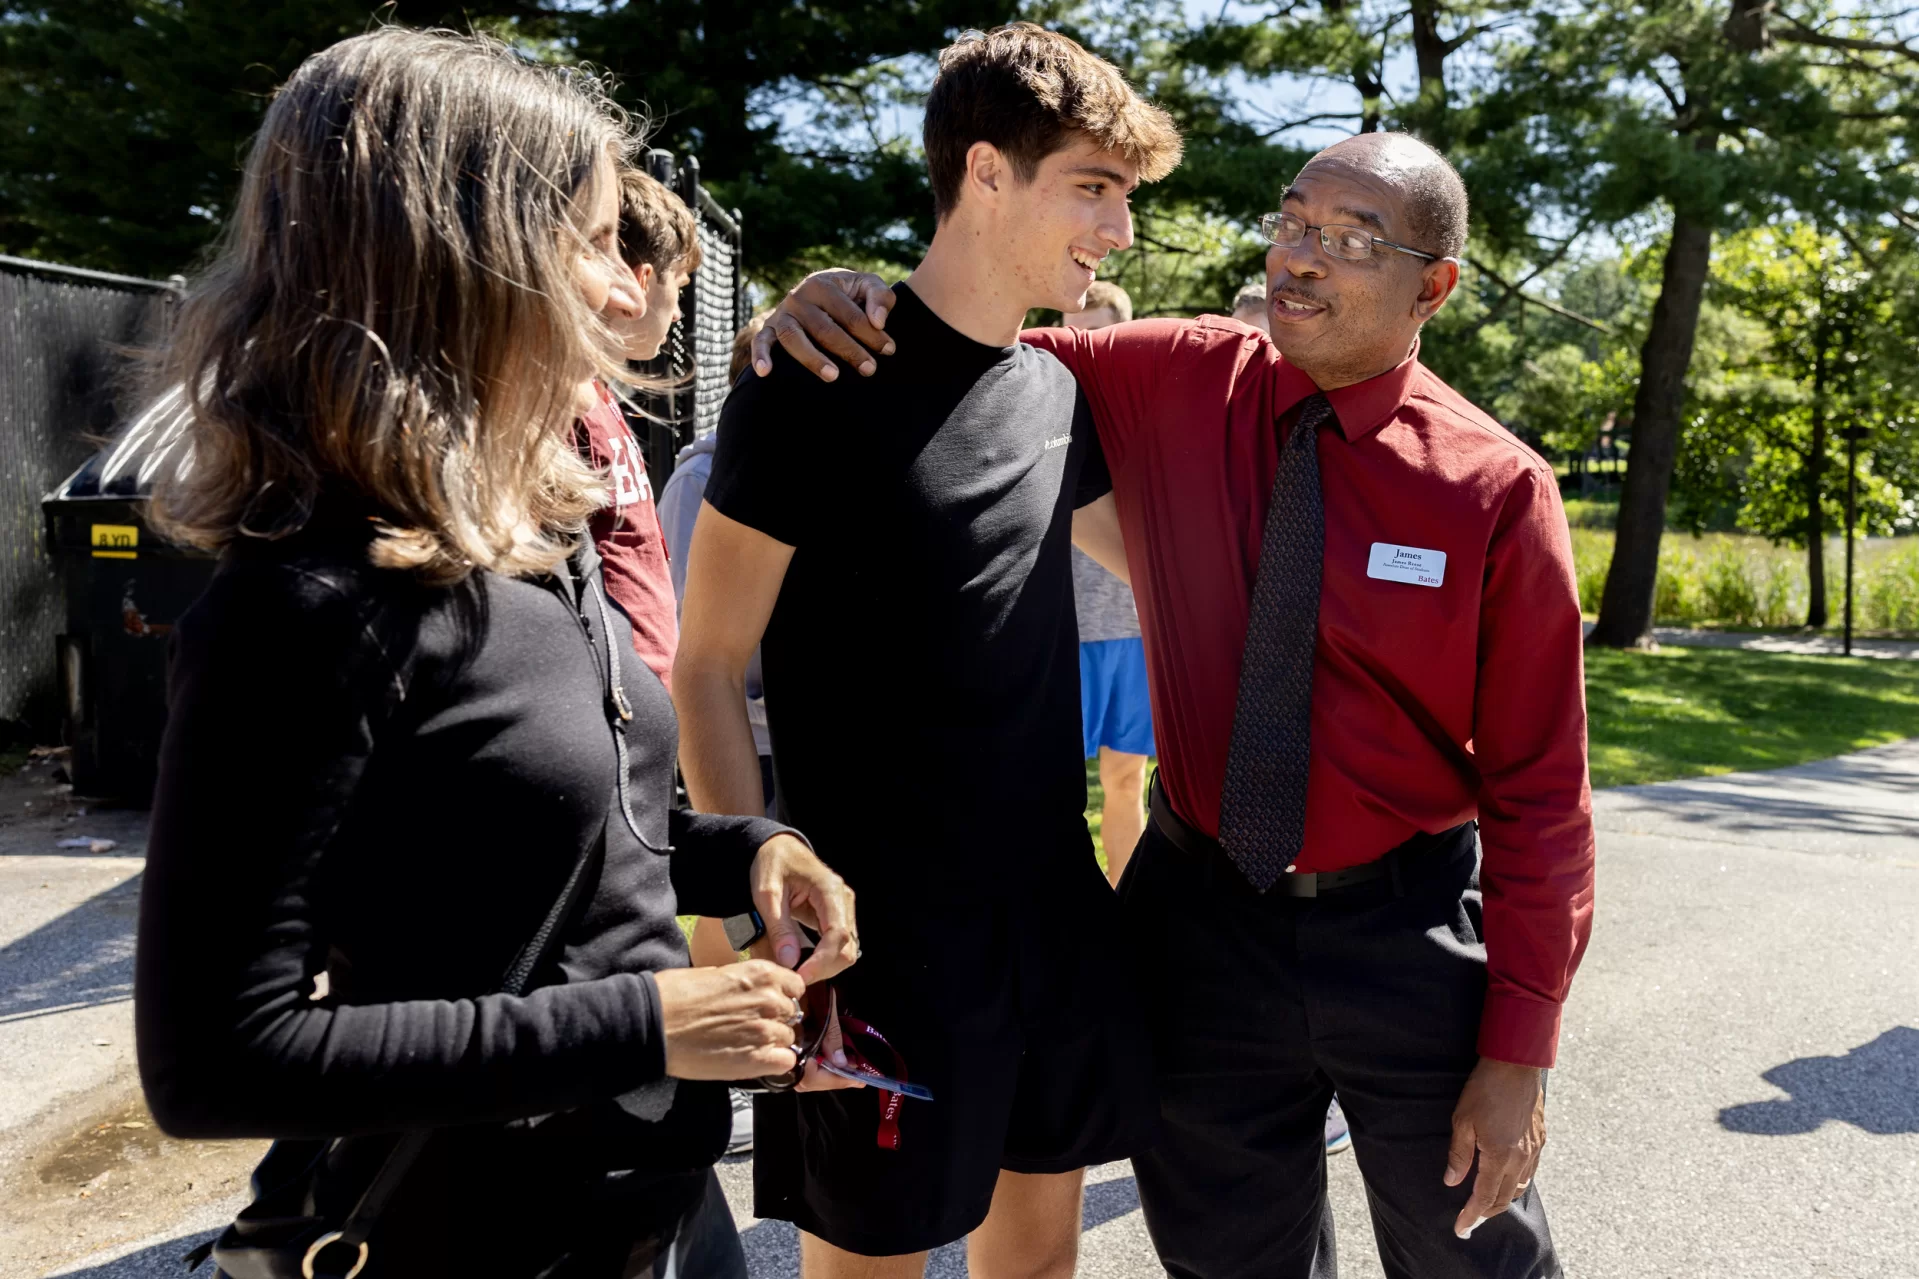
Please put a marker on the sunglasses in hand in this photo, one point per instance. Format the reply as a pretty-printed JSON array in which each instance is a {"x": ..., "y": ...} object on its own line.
[{"x": 860, "y": 1042}]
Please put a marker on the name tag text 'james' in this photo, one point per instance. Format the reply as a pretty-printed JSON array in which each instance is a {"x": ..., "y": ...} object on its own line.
[{"x": 1406, "y": 564}]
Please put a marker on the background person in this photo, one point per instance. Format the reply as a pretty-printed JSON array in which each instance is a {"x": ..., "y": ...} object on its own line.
[
  {"x": 680, "y": 504},
  {"x": 1115, "y": 712},
  {"x": 659, "y": 243},
  {"x": 679, "y": 508},
  {"x": 1112, "y": 666},
  {"x": 334, "y": 890},
  {"x": 1249, "y": 307}
]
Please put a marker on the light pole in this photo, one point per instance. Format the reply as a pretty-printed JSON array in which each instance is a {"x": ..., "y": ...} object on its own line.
[{"x": 1853, "y": 435}]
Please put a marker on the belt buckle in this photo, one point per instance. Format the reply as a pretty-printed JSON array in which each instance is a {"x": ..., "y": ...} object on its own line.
[{"x": 1302, "y": 883}]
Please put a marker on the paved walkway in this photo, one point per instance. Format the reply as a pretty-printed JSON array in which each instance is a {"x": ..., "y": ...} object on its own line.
[
  {"x": 1781, "y": 642},
  {"x": 1738, "y": 1090}
]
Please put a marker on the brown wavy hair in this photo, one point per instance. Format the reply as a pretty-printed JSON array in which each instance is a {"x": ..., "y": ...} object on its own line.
[
  {"x": 1031, "y": 92},
  {"x": 392, "y": 312}
]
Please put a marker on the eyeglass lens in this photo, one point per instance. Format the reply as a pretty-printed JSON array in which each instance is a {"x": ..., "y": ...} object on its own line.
[{"x": 1286, "y": 231}]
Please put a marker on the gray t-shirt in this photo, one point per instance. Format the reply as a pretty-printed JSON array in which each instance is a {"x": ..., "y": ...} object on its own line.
[{"x": 1104, "y": 603}]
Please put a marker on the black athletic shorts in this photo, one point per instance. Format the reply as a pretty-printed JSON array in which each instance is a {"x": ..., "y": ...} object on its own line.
[{"x": 1020, "y": 1013}]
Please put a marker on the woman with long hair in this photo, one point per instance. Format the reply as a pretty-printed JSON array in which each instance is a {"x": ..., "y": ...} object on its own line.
[{"x": 413, "y": 871}]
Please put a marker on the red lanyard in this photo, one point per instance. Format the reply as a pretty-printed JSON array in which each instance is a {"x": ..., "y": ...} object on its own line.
[{"x": 889, "y": 1102}]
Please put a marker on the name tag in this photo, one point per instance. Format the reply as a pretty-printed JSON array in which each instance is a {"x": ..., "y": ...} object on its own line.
[{"x": 1406, "y": 564}]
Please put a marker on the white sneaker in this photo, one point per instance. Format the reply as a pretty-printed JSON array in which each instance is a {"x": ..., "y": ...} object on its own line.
[
  {"x": 742, "y": 1139},
  {"x": 1338, "y": 1135}
]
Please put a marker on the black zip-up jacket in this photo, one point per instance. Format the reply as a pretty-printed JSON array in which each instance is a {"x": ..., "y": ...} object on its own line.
[{"x": 389, "y": 782}]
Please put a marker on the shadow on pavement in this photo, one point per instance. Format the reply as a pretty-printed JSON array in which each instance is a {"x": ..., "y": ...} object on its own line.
[
  {"x": 79, "y": 960},
  {"x": 773, "y": 1247},
  {"x": 1875, "y": 1087},
  {"x": 1734, "y": 809},
  {"x": 1107, "y": 1201},
  {"x": 160, "y": 1261}
]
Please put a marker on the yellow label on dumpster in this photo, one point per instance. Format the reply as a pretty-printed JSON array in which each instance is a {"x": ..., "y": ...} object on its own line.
[{"x": 116, "y": 542}]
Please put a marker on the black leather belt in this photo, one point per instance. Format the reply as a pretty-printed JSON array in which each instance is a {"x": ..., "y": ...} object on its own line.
[{"x": 1196, "y": 843}]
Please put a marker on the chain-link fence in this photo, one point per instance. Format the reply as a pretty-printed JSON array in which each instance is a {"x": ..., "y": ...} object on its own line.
[
  {"x": 63, "y": 337},
  {"x": 700, "y": 346}
]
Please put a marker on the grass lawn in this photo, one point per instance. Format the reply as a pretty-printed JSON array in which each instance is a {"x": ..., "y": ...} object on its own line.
[
  {"x": 1689, "y": 712},
  {"x": 1686, "y": 712}
]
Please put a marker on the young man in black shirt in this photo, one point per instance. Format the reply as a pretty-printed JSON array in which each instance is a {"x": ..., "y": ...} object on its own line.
[{"x": 910, "y": 578}]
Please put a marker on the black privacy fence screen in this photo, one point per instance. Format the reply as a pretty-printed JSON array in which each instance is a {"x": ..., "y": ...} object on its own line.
[{"x": 88, "y": 595}]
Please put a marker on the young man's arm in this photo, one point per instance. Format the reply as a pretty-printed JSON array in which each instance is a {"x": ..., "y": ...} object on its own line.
[
  {"x": 1096, "y": 531},
  {"x": 733, "y": 579}
]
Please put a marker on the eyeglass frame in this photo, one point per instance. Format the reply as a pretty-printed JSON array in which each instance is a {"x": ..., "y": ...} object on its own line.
[{"x": 1305, "y": 226}]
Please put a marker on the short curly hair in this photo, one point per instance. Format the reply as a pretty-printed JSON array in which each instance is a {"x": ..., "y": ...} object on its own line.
[{"x": 1029, "y": 91}]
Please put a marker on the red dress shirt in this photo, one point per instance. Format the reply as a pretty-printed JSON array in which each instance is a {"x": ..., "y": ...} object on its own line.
[
  {"x": 626, "y": 532},
  {"x": 1432, "y": 704}
]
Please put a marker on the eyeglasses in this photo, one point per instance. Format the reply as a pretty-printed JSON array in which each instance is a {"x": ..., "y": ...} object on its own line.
[{"x": 1352, "y": 243}]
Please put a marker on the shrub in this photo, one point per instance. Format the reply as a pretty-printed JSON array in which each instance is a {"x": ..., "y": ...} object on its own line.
[
  {"x": 1886, "y": 587},
  {"x": 1735, "y": 579}
]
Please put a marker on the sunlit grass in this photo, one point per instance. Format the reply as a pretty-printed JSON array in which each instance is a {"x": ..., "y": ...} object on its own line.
[{"x": 1688, "y": 712}]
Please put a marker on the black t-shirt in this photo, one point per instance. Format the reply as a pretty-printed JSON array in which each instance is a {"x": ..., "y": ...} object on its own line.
[{"x": 922, "y": 662}]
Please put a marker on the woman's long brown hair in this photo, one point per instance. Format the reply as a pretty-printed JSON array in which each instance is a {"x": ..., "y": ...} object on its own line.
[{"x": 393, "y": 310}]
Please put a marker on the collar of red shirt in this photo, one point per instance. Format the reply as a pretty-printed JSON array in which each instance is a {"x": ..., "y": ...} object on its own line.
[{"x": 1360, "y": 409}]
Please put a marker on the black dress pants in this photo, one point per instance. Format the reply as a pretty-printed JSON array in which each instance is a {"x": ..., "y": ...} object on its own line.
[{"x": 1260, "y": 1008}]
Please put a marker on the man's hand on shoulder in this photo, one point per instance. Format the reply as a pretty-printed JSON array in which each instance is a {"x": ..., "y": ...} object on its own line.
[{"x": 843, "y": 311}]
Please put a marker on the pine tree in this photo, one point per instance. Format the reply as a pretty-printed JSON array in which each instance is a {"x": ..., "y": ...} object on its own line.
[{"x": 1724, "y": 115}]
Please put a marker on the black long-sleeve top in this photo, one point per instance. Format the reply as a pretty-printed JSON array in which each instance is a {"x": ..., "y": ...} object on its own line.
[{"x": 390, "y": 782}]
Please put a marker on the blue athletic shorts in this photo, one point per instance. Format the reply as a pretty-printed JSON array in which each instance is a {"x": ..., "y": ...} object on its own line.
[{"x": 1113, "y": 706}]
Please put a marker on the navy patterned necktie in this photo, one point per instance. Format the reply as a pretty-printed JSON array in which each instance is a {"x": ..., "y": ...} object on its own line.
[{"x": 1262, "y": 809}]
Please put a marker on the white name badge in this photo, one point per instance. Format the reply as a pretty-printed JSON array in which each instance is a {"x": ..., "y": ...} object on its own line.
[{"x": 1406, "y": 564}]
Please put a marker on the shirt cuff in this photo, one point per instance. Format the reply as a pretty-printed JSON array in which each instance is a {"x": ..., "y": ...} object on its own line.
[
  {"x": 653, "y": 1019},
  {"x": 712, "y": 860},
  {"x": 1522, "y": 1031}
]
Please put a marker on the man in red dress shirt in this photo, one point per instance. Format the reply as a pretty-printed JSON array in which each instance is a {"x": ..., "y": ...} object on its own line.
[{"x": 1401, "y": 920}]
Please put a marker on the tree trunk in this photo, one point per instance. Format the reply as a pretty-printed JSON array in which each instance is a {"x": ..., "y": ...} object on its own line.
[
  {"x": 1372, "y": 91},
  {"x": 1430, "y": 50},
  {"x": 1625, "y": 609},
  {"x": 1745, "y": 25},
  {"x": 1815, "y": 490}
]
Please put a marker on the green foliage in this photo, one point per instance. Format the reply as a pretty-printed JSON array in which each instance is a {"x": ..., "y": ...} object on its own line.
[
  {"x": 1185, "y": 261},
  {"x": 1742, "y": 581},
  {"x": 1888, "y": 595},
  {"x": 719, "y": 76},
  {"x": 1821, "y": 343},
  {"x": 1687, "y": 712},
  {"x": 123, "y": 122}
]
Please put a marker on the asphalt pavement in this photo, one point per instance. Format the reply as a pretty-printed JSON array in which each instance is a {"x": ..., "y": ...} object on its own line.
[{"x": 1738, "y": 1087}]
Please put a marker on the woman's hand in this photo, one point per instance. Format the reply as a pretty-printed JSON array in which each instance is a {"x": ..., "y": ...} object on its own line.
[
  {"x": 734, "y": 1022},
  {"x": 792, "y": 886}
]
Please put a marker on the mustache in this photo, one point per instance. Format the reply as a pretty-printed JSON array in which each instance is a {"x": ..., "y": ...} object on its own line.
[{"x": 1293, "y": 293}]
